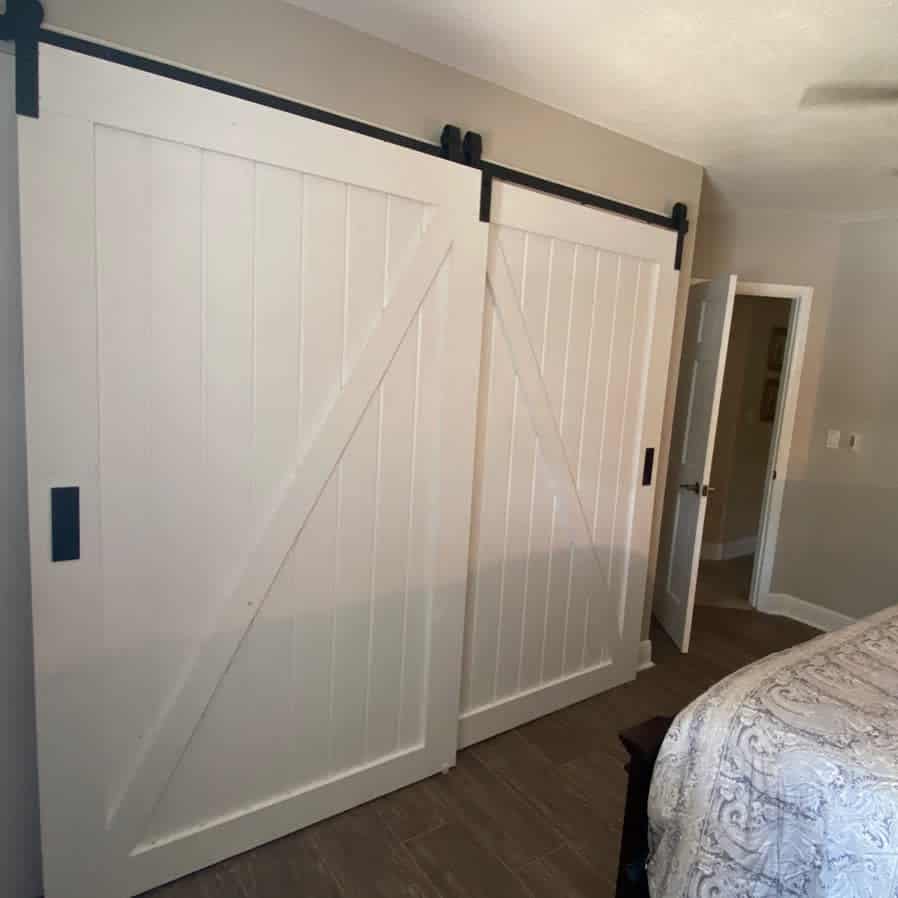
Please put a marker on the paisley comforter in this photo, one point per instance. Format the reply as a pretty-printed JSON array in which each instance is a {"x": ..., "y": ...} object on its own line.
[{"x": 782, "y": 780}]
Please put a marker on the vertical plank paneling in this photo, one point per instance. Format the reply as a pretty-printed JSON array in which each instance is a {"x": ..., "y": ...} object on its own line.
[
  {"x": 592, "y": 461},
  {"x": 418, "y": 588},
  {"x": 205, "y": 777},
  {"x": 311, "y": 571},
  {"x": 538, "y": 268},
  {"x": 352, "y": 612},
  {"x": 576, "y": 371},
  {"x": 321, "y": 372},
  {"x": 609, "y": 501},
  {"x": 537, "y": 595},
  {"x": 573, "y": 412},
  {"x": 124, "y": 236},
  {"x": 390, "y": 563},
  {"x": 406, "y": 221},
  {"x": 558, "y": 311},
  {"x": 276, "y": 272},
  {"x": 538, "y": 584},
  {"x": 513, "y": 245},
  {"x": 517, "y": 538},
  {"x": 323, "y": 300},
  {"x": 392, "y": 226},
  {"x": 517, "y": 503},
  {"x": 366, "y": 268},
  {"x": 276, "y": 291},
  {"x": 180, "y": 604},
  {"x": 492, "y": 517},
  {"x": 603, "y": 327},
  {"x": 229, "y": 196},
  {"x": 641, "y": 340}
]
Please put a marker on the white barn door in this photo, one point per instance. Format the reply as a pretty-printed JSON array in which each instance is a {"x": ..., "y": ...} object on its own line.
[
  {"x": 252, "y": 342},
  {"x": 576, "y": 347}
]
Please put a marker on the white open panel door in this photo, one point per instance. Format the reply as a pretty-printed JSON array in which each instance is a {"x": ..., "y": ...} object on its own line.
[
  {"x": 577, "y": 339},
  {"x": 252, "y": 341},
  {"x": 705, "y": 340}
]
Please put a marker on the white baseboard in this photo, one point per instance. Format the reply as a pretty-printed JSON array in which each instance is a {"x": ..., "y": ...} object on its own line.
[
  {"x": 805, "y": 612},
  {"x": 507, "y": 713},
  {"x": 725, "y": 551},
  {"x": 644, "y": 660}
]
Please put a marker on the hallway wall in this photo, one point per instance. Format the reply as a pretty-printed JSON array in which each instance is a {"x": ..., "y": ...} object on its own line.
[{"x": 742, "y": 448}]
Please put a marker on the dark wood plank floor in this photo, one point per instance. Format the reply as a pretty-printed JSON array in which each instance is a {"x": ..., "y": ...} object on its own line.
[{"x": 535, "y": 812}]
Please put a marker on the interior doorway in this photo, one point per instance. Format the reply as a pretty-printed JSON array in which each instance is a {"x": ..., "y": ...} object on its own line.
[
  {"x": 690, "y": 484},
  {"x": 752, "y": 387}
]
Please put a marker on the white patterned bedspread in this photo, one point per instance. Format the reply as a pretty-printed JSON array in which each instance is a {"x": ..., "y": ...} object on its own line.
[{"x": 782, "y": 780}]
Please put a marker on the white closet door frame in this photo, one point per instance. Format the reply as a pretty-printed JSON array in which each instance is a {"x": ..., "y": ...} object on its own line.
[
  {"x": 539, "y": 214},
  {"x": 88, "y": 848}
]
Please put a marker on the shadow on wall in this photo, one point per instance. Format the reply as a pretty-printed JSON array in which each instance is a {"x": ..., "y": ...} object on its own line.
[{"x": 837, "y": 546}]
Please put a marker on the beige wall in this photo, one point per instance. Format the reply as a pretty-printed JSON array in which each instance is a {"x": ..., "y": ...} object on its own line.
[
  {"x": 840, "y": 508},
  {"x": 781, "y": 248},
  {"x": 837, "y": 547},
  {"x": 727, "y": 423},
  {"x": 19, "y": 857},
  {"x": 285, "y": 50},
  {"x": 742, "y": 448}
]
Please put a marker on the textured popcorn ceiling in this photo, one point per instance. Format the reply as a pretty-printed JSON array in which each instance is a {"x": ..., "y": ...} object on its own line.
[{"x": 716, "y": 81}]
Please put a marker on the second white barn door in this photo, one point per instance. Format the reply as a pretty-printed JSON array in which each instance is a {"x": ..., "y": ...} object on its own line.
[
  {"x": 577, "y": 338},
  {"x": 252, "y": 345}
]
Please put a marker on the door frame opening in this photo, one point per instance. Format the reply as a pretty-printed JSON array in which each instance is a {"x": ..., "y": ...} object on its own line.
[{"x": 801, "y": 299}]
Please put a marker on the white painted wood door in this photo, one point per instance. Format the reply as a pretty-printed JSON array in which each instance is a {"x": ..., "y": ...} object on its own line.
[
  {"x": 253, "y": 342},
  {"x": 577, "y": 339},
  {"x": 705, "y": 340}
]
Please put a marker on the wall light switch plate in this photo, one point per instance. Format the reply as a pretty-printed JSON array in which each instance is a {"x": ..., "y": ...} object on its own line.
[{"x": 833, "y": 437}]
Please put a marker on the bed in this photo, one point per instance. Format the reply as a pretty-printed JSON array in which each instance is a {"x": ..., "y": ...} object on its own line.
[{"x": 782, "y": 779}]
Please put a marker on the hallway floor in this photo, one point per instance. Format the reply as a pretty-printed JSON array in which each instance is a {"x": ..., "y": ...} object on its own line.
[{"x": 725, "y": 584}]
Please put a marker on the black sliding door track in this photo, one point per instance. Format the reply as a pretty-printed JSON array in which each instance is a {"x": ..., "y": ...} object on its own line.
[
  {"x": 677, "y": 221},
  {"x": 221, "y": 86},
  {"x": 22, "y": 23}
]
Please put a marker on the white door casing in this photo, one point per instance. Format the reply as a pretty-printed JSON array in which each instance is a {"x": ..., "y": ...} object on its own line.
[
  {"x": 577, "y": 339},
  {"x": 252, "y": 341},
  {"x": 705, "y": 339}
]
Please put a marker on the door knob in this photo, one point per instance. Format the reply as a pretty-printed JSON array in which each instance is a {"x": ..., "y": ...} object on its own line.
[{"x": 698, "y": 489}]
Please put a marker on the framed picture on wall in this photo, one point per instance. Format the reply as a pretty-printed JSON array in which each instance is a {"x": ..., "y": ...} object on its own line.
[
  {"x": 776, "y": 349},
  {"x": 768, "y": 398}
]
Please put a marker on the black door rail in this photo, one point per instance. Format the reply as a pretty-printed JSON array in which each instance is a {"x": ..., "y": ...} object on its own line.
[{"x": 21, "y": 23}]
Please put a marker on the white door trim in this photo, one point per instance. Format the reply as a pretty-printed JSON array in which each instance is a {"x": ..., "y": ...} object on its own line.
[{"x": 784, "y": 425}]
